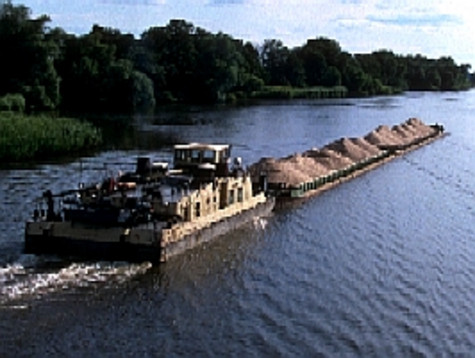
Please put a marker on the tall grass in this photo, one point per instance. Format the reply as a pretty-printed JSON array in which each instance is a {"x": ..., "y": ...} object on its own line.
[
  {"x": 287, "y": 92},
  {"x": 28, "y": 137}
]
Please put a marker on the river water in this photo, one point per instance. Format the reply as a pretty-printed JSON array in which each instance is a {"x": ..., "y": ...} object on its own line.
[{"x": 383, "y": 265}]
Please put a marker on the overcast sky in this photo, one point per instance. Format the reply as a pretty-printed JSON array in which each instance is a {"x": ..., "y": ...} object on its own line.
[{"x": 428, "y": 27}]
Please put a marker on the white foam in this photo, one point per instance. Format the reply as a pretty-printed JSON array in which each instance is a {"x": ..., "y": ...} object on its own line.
[
  {"x": 18, "y": 281},
  {"x": 260, "y": 223}
]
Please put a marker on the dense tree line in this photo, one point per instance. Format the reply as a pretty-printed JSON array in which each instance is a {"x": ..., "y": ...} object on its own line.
[{"x": 107, "y": 71}]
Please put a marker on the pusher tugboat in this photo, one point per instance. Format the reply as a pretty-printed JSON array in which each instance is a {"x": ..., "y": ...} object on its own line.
[{"x": 153, "y": 213}]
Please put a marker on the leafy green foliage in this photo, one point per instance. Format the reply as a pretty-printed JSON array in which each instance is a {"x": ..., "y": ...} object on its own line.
[
  {"x": 106, "y": 71},
  {"x": 26, "y": 63},
  {"x": 12, "y": 103}
]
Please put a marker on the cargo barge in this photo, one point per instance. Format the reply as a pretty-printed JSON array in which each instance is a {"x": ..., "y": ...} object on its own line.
[
  {"x": 316, "y": 170},
  {"x": 153, "y": 213}
]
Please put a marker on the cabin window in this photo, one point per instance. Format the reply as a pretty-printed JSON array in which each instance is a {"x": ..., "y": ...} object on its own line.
[
  {"x": 239, "y": 195},
  {"x": 195, "y": 155},
  {"x": 208, "y": 156},
  {"x": 182, "y": 155},
  {"x": 231, "y": 196},
  {"x": 197, "y": 209}
]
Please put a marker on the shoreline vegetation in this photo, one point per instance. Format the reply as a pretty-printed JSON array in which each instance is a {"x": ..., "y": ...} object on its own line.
[
  {"x": 25, "y": 137},
  {"x": 289, "y": 92},
  {"x": 106, "y": 72}
]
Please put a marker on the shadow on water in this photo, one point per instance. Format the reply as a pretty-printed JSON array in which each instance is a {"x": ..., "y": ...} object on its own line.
[{"x": 133, "y": 133}]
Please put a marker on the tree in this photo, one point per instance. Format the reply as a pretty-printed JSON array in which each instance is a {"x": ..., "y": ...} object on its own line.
[
  {"x": 143, "y": 92},
  {"x": 331, "y": 77},
  {"x": 27, "y": 60},
  {"x": 251, "y": 72},
  {"x": 433, "y": 79},
  {"x": 274, "y": 56},
  {"x": 172, "y": 47},
  {"x": 95, "y": 79},
  {"x": 295, "y": 71},
  {"x": 313, "y": 62}
]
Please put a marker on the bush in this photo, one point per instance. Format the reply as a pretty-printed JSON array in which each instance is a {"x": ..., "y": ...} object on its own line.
[
  {"x": 287, "y": 92},
  {"x": 12, "y": 102}
]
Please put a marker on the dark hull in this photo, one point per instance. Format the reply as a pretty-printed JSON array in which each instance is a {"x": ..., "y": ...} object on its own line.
[
  {"x": 71, "y": 247},
  {"x": 47, "y": 241}
]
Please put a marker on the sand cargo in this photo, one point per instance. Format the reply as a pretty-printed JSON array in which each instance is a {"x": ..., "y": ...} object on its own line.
[{"x": 315, "y": 170}]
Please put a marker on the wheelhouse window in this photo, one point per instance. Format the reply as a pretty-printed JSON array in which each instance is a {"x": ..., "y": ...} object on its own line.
[
  {"x": 195, "y": 155},
  {"x": 240, "y": 195},
  {"x": 208, "y": 156}
]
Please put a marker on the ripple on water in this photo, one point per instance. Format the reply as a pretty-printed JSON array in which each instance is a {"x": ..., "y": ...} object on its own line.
[
  {"x": 383, "y": 265},
  {"x": 376, "y": 282}
]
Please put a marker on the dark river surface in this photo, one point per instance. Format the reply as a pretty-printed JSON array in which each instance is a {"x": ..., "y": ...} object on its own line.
[{"x": 383, "y": 265}]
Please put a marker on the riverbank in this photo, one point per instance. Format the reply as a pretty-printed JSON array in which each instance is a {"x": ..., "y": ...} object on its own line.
[{"x": 25, "y": 137}]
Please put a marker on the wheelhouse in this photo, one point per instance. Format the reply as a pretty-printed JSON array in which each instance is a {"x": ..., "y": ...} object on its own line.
[{"x": 195, "y": 157}]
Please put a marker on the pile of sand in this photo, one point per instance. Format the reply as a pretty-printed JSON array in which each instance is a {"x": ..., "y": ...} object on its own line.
[
  {"x": 371, "y": 149},
  {"x": 351, "y": 149},
  {"x": 313, "y": 163},
  {"x": 264, "y": 165},
  {"x": 384, "y": 136},
  {"x": 403, "y": 134},
  {"x": 306, "y": 165},
  {"x": 279, "y": 171},
  {"x": 329, "y": 159},
  {"x": 421, "y": 129},
  {"x": 413, "y": 130},
  {"x": 286, "y": 172}
]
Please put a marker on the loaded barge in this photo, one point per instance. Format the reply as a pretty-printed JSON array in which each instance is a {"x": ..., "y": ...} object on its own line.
[
  {"x": 316, "y": 170},
  {"x": 153, "y": 213},
  {"x": 156, "y": 213}
]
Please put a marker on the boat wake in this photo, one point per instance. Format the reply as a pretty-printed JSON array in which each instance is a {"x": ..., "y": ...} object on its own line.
[
  {"x": 260, "y": 223},
  {"x": 26, "y": 279}
]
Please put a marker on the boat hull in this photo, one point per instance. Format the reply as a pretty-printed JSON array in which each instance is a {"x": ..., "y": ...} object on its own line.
[
  {"x": 138, "y": 244},
  {"x": 94, "y": 242},
  {"x": 87, "y": 249}
]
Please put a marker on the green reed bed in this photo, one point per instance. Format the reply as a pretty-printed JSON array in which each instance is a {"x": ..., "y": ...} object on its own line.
[
  {"x": 27, "y": 137},
  {"x": 288, "y": 92}
]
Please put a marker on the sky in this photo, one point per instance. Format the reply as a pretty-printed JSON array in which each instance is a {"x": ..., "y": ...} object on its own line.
[{"x": 432, "y": 28}]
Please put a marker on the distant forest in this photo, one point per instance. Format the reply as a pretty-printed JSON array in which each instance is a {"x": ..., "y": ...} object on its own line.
[{"x": 44, "y": 68}]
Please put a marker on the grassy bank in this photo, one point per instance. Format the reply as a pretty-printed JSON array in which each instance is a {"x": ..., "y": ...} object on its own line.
[
  {"x": 29, "y": 137},
  {"x": 287, "y": 92}
]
